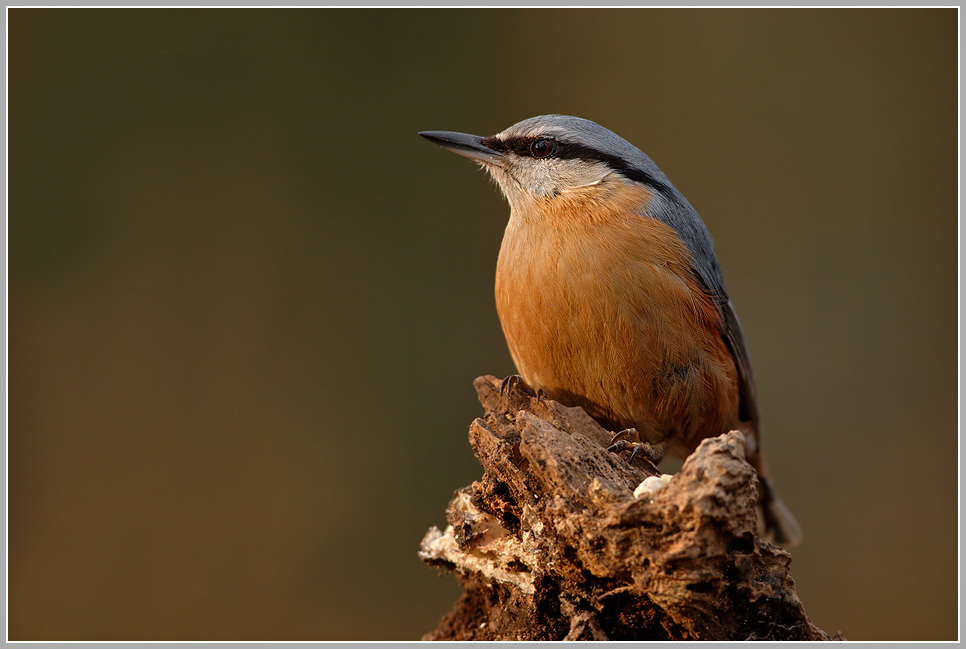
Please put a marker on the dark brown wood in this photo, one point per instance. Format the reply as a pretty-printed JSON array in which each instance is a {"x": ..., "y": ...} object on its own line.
[{"x": 552, "y": 544}]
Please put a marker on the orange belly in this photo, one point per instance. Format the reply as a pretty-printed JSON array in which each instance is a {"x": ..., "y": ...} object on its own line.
[{"x": 604, "y": 313}]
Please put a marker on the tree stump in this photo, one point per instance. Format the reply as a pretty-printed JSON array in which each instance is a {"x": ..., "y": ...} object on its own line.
[{"x": 553, "y": 544}]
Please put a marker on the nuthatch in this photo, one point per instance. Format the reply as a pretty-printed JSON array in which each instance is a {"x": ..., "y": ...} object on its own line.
[{"x": 610, "y": 295}]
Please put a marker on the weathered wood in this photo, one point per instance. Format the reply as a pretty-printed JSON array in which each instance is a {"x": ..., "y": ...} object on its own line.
[{"x": 552, "y": 544}]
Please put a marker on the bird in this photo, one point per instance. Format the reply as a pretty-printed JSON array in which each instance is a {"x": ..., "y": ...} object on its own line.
[{"x": 611, "y": 297}]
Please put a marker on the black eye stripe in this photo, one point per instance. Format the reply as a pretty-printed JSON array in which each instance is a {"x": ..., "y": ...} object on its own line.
[
  {"x": 574, "y": 151},
  {"x": 517, "y": 145}
]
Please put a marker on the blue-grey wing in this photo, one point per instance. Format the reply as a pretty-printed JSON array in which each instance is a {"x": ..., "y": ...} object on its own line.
[{"x": 674, "y": 210}]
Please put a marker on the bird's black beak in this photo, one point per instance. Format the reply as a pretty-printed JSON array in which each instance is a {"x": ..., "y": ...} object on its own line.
[{"x": 466, "y": 145}]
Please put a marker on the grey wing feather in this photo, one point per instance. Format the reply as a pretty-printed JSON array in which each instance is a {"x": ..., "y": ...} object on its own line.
[
  {"x": 676, "y": 212},
  {"x": 735, "y": 339}
]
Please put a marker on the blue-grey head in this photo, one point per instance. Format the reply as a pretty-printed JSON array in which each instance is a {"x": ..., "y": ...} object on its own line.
[
  {"x": 543, "y": 157},
  {"x": 551, "y": 156}
]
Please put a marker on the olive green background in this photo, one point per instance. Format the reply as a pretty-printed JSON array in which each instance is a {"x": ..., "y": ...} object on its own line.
[{"x": 247, "y": 302}]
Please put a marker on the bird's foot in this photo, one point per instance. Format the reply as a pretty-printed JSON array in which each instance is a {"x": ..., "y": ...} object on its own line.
[
  {"x": 511, "y": 382},
  {"x": 515, "y": 381},
  {"x": 629, "y": 438}
]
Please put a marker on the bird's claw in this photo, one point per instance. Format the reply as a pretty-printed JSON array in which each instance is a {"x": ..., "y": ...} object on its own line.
[
  {"x": 509, "y": 383},
  {"x": 514, "y": 381},
  {"x": 637, "y": 449},
  {"x": 627, "y": 435},
  {"x": 618, "y": 446},
  {"x": 622, "y": 444},
  {"x": 629, "y": 438}
]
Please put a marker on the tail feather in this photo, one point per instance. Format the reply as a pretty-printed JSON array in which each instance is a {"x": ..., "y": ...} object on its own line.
[{"x": 779, "y": 523}]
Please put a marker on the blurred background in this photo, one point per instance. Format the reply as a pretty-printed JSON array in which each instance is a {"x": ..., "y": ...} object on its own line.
[{"x": 247, "y": 302}]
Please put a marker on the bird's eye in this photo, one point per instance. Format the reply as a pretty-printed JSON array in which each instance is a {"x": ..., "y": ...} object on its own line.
[{"x": 542, "y": 148}]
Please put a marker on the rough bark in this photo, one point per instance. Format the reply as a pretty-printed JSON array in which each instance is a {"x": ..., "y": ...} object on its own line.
[{"x": 552, "y": 543}]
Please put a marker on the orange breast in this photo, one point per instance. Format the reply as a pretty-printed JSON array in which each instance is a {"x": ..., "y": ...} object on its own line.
[{"x": 600, "y": 309}]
